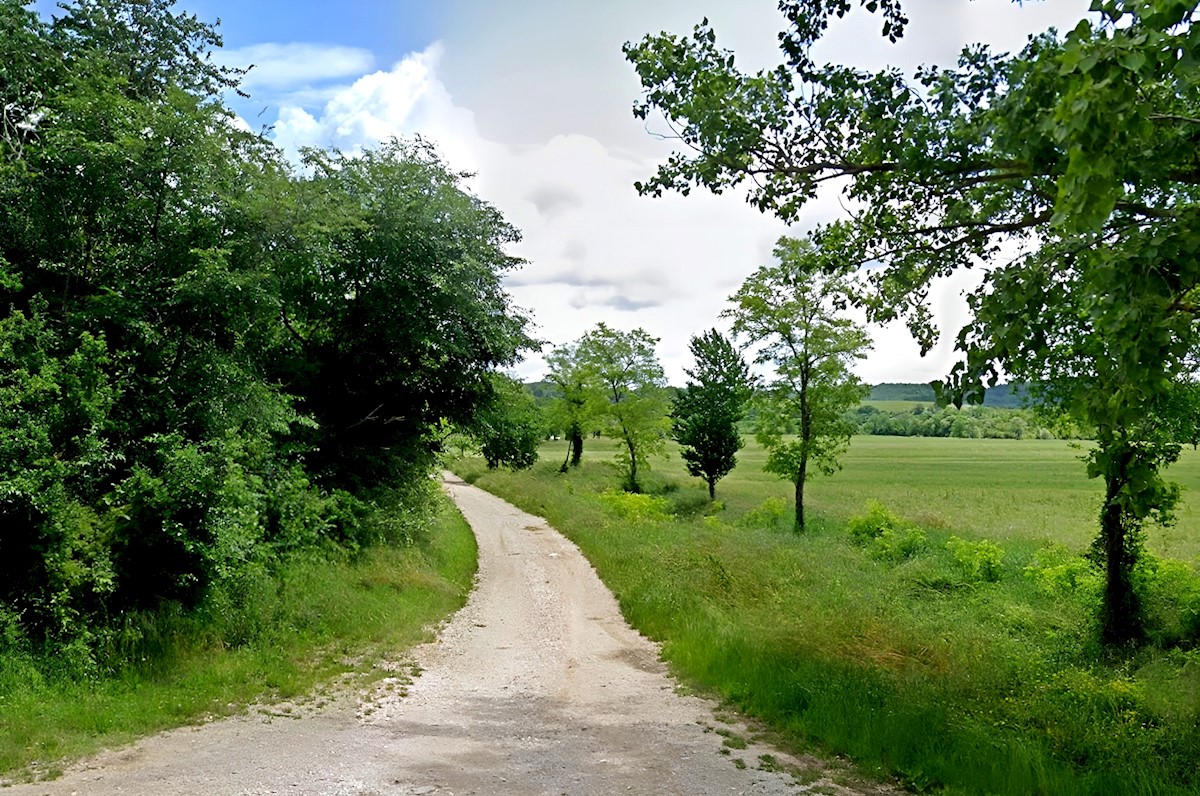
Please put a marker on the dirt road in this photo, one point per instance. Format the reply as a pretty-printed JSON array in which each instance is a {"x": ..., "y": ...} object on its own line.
[{"x": 538, "y": 686}]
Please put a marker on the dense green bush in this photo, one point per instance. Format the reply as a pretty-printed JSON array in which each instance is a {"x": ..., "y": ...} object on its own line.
[
  {"x": 878, "y": 520},
  {"x": 980, "y": 560},
  {"x": 211, "y": 361}
]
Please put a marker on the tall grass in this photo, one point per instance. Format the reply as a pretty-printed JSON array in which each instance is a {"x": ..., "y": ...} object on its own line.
[
  {"x": 275, "y": 637},
  {"x": 953, "y": 650}
]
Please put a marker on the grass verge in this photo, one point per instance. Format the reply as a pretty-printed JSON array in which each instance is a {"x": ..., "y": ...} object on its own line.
[
  {"x": 922, "y": 649},
  {"x": 314, "y": 620}
]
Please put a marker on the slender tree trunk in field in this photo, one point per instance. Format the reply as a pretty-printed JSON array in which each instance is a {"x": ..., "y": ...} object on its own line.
[
  {"x": 712, "y": 489},
  {"x": 806, "y": 435},
  {"x": 634, "y": 486},
  {"x": 1121, "y": 614},
  {"x": 800, "y": 477},
  {"x": 576, "y": 446}
]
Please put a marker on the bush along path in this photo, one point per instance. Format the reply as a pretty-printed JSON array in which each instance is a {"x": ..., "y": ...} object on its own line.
[{"x": 537, "y": 686}]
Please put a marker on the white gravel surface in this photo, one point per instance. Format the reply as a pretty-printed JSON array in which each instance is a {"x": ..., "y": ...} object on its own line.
[{"x": 537, "y": 686}]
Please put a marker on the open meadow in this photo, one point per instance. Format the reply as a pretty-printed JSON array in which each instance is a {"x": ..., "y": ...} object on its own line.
[{"x": 949, "y": 641}]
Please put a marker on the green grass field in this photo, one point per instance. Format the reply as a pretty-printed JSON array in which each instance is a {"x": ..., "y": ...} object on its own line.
[{"x": 964, "y": 666}]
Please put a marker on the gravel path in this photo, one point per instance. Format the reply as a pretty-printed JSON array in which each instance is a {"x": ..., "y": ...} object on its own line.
[{"x": 537, "y": 686}]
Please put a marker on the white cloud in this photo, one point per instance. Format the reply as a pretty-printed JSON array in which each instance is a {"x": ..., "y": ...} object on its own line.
[
  {"x": 562, "y": 171},
  {"x": 295, "y": 65},
  {"x": 405, "y": 100}
]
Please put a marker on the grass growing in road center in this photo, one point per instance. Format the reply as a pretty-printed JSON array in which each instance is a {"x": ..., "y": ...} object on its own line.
[{"x": 948, "y": 643}]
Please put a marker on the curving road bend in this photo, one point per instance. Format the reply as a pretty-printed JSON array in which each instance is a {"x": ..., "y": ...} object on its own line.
[{"x": 537, "y": 686}]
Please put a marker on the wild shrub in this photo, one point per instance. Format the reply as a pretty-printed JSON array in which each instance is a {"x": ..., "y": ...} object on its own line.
[
  {"x": 979, "y": 561},
  {"x": 1057, "y": 571},
  {"x": 877, "y": 521},
  {"x": 1170, "y": 595},
  {"x": 898, "y": 545},
  {"x": 886, "y": 535},
  {"x": 768, "y": 514},
  {"x": 637, "y": 507}
]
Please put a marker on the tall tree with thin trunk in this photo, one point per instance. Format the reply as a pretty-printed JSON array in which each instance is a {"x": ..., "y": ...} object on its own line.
[
  {"x": 578, "y": 402},
  {"x": 708, "y": 408},
  {"x": 626, "y": 367},
  {"x": 791, "y": 311}
]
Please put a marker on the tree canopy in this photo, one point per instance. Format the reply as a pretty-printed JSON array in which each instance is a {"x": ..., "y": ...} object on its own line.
[
  {"x": 708, "y": 408},
  {"x": 625, "y": 367},
  {"x": 1068, "y": 170},
  {"x": 579, "y": 401},
  {"x": 211, "y": 358}
]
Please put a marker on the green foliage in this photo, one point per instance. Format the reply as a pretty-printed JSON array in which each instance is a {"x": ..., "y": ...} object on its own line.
[
  {"x": 509, "y": 427},
  {"x": 878, "y": 520},
  {"x": 885, "y": 535},
  {"x": 1171, "y": 600},
  {"x": 969, "y": 422},
  {"x": 979, "y": 560},
  {"x": 768, "y": 514},
  {"x": 790, "y": 311},
  {"x": 403, "y": 234},
  {"x": 211, "y": 363},
  {"x": 257, "y": 639},
  {"x": 625, "y": 369},
  {"x": 1058, "y": 572},
  {"x": 706, "y": 412},
  {"x": 580, "y": 402},
  {"x": 637, "y": 507},
  {"x": 897, "y": 546},
  {"x": 1067, "y": 167}
]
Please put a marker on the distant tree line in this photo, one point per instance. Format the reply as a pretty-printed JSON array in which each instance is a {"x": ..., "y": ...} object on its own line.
[
  {"x": 970, "y": 422},
  {"x": 1003, "y": 396}
]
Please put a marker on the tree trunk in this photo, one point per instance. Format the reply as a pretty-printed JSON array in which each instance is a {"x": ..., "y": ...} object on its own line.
[
  {"x": 634, "y": 486},
  {"x": 801, "y": 475},
  {"x": 576, "y": 446},
  {"x": 1121, "y": 620},
  {"x": 712, "y": 489}
]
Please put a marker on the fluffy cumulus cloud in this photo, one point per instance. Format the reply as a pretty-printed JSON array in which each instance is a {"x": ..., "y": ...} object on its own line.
[
  {"x": 595, "y": 250},
  {"x": 405, "y": 100}
]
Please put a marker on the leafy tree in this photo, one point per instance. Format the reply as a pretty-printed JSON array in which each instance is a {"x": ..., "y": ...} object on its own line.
[
  {"x": 791, "y": 311},
  {"x": 707, "y": 410},
  {"x": 509, "y": 426},
  {"x": 1070, "y": 168},
  {"x": 625, "y": 366},
  {"x": 394, "y": 310},
  {"x": 202, "y": 349},
  {"x": 578, "y": 403}
]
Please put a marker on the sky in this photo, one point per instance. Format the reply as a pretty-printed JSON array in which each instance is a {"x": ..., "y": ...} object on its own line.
[{"x": 534, "y": 97}]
